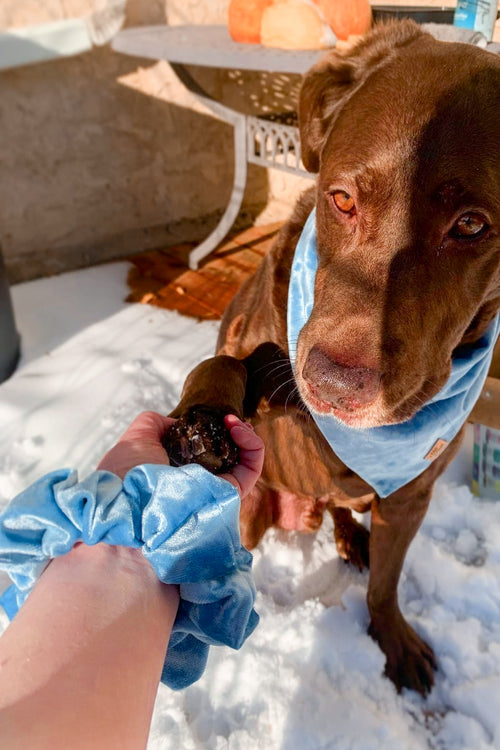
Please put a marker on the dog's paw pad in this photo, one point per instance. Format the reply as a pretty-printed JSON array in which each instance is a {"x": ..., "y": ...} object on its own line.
[{"x": 200, "y": 436}]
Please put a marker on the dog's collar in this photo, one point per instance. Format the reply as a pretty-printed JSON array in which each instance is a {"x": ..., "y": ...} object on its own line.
[{"x": 391, "y": 456}]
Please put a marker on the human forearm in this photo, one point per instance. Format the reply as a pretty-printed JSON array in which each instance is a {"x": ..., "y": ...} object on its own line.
[{"x": 100, "y": 699}]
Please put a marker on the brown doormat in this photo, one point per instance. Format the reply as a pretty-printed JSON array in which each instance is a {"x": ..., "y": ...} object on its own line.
[{"x": 162, "y": 277}]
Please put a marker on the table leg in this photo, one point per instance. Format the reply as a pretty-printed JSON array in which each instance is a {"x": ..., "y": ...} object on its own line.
[
  {"x": 234, "y": 205},
  {"x": 238, "y": 121}
]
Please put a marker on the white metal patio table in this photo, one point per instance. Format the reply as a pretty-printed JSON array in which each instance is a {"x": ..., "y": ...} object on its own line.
[{"x": 257, "y": 140}]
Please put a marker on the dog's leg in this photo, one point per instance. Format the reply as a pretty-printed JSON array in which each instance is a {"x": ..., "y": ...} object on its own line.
[
  {"x": 218, "y": 382},
  {"x": 351, "y": 538},
  {"x": 395, "y": 521},
  {"x": 237, "y": 385}
]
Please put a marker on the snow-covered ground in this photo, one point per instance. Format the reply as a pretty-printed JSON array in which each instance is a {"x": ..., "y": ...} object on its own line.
[{"x": 309, "y": 678}]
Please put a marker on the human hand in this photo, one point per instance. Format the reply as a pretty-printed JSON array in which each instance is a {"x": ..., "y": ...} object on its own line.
[
  {"x": 141, "y": 444},
  {"x": 245, "y": 474}
]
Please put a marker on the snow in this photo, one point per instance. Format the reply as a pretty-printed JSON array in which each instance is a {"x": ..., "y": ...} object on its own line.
[{"x": 309, "y": 678}]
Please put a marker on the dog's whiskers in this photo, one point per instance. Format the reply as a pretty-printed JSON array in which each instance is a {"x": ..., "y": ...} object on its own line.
[
  {"x": 282, "y": 367},
  {"x": 281, "y": 385},
  {"x": 276, "y": 366}
]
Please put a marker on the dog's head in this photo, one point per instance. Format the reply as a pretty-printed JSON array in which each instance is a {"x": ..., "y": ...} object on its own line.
[{"x": 404, "y": 131}]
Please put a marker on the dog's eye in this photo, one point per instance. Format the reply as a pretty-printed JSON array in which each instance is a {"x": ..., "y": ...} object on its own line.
[
  {"x": 469, "y": 226},
  {"x": 343, "y": 201}
]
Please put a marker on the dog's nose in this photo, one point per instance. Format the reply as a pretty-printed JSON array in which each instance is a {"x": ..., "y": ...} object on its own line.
[{"x": 341, "y": 385}]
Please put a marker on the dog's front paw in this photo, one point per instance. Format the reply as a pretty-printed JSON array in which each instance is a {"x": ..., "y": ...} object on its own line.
[
  {"x": 200, "y": 436},
  {"x": 410, "y": 660}
]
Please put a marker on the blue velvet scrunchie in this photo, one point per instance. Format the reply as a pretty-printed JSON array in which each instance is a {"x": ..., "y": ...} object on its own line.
[{"x": 185, "y": 520}]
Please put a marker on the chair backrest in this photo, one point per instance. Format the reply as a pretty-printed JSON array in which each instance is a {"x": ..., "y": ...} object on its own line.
[{"x": 63, "y": 38}]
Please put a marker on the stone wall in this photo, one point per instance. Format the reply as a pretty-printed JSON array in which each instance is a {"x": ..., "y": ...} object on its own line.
[{"x": 102, "y": 155}]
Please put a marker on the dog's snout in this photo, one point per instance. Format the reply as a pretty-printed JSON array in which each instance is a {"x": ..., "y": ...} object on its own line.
[{"x": 341, "y": 385}]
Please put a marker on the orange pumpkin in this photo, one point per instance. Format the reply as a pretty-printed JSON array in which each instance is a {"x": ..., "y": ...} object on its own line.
[
  {"x": 244, "y": 19},
  {"x": 294, "y": 24},
  {"x": 346, "y": 17}
]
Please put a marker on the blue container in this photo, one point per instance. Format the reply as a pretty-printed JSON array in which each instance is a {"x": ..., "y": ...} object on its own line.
[
  {"x": 486, "y": 463},
  {"x": 9, "y": 337},
  {"x": 419, "y": 14},
  {"x": 479, "y": 15}
]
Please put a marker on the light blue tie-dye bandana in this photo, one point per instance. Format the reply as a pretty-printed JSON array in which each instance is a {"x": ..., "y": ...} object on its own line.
[{"x": 389, "y": 457}]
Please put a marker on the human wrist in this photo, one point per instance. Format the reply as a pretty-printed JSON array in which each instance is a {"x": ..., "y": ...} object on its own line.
[{"x": 102, "y": 565}]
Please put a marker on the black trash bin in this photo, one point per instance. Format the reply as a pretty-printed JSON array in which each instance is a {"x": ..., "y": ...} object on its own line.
[{"x": 9, "y": 337}]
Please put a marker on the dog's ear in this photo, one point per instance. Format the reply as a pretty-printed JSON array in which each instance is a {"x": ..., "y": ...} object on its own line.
[{"x": 328, "y": 85}]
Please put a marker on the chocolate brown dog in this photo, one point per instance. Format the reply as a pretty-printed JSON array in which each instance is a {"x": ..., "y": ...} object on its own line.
[{"x": 405, "y": 134}]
